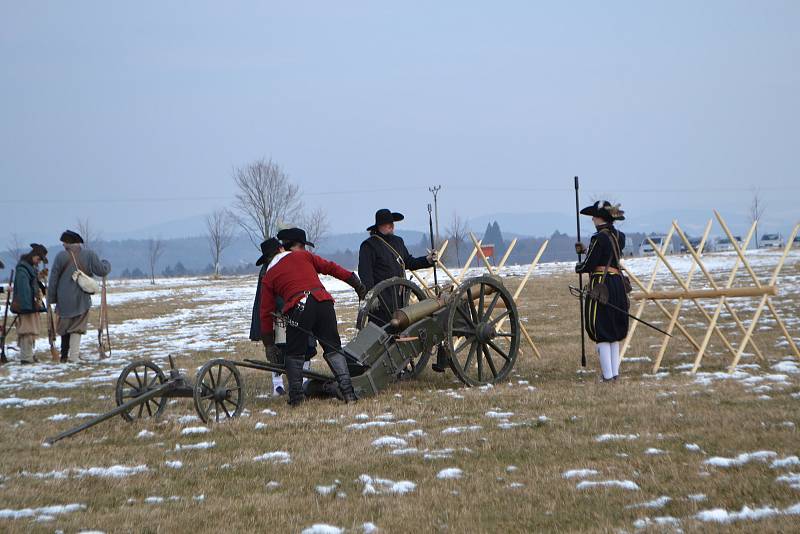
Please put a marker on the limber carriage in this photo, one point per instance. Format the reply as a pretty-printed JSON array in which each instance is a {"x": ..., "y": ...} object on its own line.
[{"x": 399, "y": 325}]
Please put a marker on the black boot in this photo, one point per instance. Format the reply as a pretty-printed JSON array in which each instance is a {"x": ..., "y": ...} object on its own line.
[
  {"x": 338, "y": 364},
  {"x": 442, "y": 361},
  {"x": 294, "y": 376},
  {"x": 64, "y": 348}
]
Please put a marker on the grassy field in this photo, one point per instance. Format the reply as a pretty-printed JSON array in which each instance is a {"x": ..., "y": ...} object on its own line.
[{"x": 464, "y": 460}]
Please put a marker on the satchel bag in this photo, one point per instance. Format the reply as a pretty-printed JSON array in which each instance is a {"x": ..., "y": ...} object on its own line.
[{"x": 87, "y": 284}]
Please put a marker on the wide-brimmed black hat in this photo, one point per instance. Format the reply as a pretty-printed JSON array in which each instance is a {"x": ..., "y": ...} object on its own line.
[
  {"x": 71, "y": 237},
  {"x": 605, "y": 210},
  {"x": 294, "y": 235},
  {"x": 385, "y": 216},
  {"x": 39, "y": 250},
  {"x": 268, "y": 250}
]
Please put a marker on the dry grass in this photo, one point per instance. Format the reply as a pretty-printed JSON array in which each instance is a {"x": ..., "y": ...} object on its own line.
[{"x": 725, "y": 419}]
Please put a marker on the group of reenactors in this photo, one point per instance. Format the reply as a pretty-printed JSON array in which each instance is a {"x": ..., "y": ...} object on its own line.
[
  {"x": 293, "y": 312},
  {"x": 35, "y": 289}
]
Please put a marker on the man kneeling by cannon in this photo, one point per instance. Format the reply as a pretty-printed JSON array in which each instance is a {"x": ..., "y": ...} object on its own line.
[{"x": 293, "y": 275}]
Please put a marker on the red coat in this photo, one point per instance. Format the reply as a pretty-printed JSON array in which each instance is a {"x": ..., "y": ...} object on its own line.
[{"x": 290, "y": 277}]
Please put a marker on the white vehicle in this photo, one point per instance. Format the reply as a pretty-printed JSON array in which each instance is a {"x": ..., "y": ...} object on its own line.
[
  {"x": 771, "y": 241},
  {"x": 724, "y": 244},
  {"x": 645, "y": 249}
]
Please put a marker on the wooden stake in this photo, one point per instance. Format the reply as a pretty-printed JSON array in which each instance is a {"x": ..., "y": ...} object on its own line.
[
  {"x": 469, "y": 262},
  {"x": 481, "y": 254},
  {"x": 676, "y": 312},
  {"x": 507, "y": 254}
]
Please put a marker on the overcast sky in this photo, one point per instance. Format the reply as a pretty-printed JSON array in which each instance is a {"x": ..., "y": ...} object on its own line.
[{"x": 134, "y": 113}]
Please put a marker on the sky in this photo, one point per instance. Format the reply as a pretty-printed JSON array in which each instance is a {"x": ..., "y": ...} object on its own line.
[{"x": 135, "y": 114}]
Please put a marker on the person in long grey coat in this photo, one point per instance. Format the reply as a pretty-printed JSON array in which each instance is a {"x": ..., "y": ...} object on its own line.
[{"x": 72, "y": 303}]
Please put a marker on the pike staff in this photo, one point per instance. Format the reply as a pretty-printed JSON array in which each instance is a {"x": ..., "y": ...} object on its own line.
[
  {"x": 103, "y": 336},
  {"x": 433, "y": 249},
  {"x": 580, "y": 276}
]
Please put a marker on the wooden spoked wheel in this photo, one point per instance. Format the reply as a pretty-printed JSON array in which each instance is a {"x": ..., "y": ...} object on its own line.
[
  {"x": 218, "y": 391},
  {"x": 136, "y": 379}
]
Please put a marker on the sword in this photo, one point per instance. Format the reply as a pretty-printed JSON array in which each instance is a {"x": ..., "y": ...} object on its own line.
[{"x": 603, "y": 299}]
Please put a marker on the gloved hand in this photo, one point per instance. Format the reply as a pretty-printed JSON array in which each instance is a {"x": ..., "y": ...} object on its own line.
[
  {"x": 432, "y": 257},
  {"x": 579, "y": 248},
  {"x": 355, "y": 282}
]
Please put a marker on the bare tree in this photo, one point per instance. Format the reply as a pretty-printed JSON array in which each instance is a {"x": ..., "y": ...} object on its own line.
[
  {"x": 458, "y": 234},
  {"x": 15, "y": 248},
  {"x": 155, "y": 248},
  {"x": 219, "y": 231},
  {"x": 266, "y": 197},
  {"x": 316, "y": 225},
  {"x": 757, "y": 208},
  {"x": 91, "y": 238}
]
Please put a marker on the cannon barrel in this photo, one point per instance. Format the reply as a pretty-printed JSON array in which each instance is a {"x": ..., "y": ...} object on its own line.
[{"x": 405, "y": 317}]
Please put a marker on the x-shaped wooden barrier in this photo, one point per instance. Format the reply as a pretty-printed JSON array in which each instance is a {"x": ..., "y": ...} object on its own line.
[{"x": 720, "y": 292}]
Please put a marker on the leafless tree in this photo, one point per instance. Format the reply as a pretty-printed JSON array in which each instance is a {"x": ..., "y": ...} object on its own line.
[
  {"x": 266, "y": 196},
  {"x": 15, "y": 248},
  {"x": 219, "y": 231},
  {"x": 457, "y": 232},
  {"x": 757, "y": 208},
  {"x": 316, "y": 225},
  {"x": 155, "y": 248},
  {"x": 91, "y": 237}
]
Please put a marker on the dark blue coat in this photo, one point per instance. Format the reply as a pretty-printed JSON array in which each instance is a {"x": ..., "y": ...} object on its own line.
[{"x": 25, "y": 287}]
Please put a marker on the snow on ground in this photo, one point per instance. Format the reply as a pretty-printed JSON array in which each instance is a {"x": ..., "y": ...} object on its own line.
[
  {"x": 114, "y": 471},
  {"x": 380, "y": 486},
  {"x": 655, "y": 503},
  {"x": 389, "y": 441},
  {"x": 622, "y": 484},
  {"x": 276, "y": 457},
  {"x": 616, "y": 437},
  {"x": 450, "y": 473},
  {"x": 44, "y": 513},
  {"x": 720, "y": 515},
  {"x": 579, "y": 473},
  {"x": 762, "y": 456}
]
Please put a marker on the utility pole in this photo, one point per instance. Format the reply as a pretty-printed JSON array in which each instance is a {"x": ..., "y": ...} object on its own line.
[{"x": 435, "y": 190}]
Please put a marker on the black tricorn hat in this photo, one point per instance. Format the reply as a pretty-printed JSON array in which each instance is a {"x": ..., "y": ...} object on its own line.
[
  {"x": 385, "y": 216},
  {"x": 294, "y": 235},
  {"x": 268, "y": 250},
  {"x": 39, "y": 250},
  {"x": 71, "y": 237},
  {"x": 605, "y": 210}
]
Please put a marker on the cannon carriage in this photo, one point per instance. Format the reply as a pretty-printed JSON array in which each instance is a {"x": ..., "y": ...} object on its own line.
[{"x": 399, "y": 325}]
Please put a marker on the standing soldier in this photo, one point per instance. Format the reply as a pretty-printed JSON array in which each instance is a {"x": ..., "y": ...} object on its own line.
[
  {"x": 269, "y": 249},
  {"x": 72, "y": 302},
  {"x": 605, "y": 325},
  {"x": 293, "y": 275},
  {"x": 28, "y": 301},
  {"x": 384, "y": 255}
]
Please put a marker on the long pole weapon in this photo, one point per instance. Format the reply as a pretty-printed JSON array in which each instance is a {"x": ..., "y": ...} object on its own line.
[
  {"x": 51, "y": 326},
  {"x": 104, "y": 344},
  {"x": 6, "y": 327},
  {"x": 580, "y": 275},
  {"x": 433, "y": 249},
  {"x": 602, "y": 297}
]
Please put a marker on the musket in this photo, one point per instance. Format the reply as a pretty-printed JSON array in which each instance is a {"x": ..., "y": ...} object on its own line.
[
  {"x": 51, "y": 326},
  {"x": 104, "y": 344},
  {"x": 601, "y": 296},
  {"x": 580, "y": 275},
  {"x": 3, "y": 332}
]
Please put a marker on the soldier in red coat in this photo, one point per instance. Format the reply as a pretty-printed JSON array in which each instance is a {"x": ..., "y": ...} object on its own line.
[{"x": 293, "y": 275}]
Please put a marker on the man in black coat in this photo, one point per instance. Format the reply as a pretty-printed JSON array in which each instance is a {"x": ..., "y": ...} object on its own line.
[{"x": 384, "y": 255}]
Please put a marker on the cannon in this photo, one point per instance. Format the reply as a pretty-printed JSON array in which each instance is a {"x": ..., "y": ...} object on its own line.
[{"x": 476, "y": 323}]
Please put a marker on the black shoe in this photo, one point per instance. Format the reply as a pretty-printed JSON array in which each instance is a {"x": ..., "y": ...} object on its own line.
[
  {"x": 338, "y": 365},
  {"x": 279, "y": 391}
]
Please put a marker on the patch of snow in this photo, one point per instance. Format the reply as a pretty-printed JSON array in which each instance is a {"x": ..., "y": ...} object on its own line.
[
  {"x": 405, "y": 452},
  {"x": 45, "y": 511},
  {"x": 194, "y": 430},
  {"x": 154, "y": 500},
  {"x": 720, "y": 515},
  {"x": 278, "y": 457},
  {"x": 389, "y": 441},
  {"x": 185, "y": 419},
  {"x": 449, "y": 473},
  {"x": 322, "y": 528},
  {"x": 696, "y": 497},
  {"x": 379, "y": 486},
  {"x": 195, "y": 446},
  {"x": 369, "y": 528},
  {"x": 622, "y": 484},
  {"x": 145, "y": 434},
  {"x": 616, "y": 437},
  {"x": 655, "y": 503},
  {"x": 579, "y": 473},
  {"x": 499, "y": 415},
  {"x": 793, "y": 479},
  {"x": 654, "y": 452},
  {"x": 461, "y": 429},
  {"x": 58, "y": 417},
  {"x": 718, "y": 461},
  {"x": 417, "y": 433},
  {"x": 664, "y": 521},
  {"x": 789, "y": 461},
  {"x": 176, "y": 464},
  {"x": 16, "y": 402},
  {"x": 369, "y": 424},
  {"x": 694, "y": 447},
  {"x": 273, "y": 485},
  {"x": 269, "y": 412},
  {"x": 787, "y": 366},
  {"x": 261, "y": 426}
]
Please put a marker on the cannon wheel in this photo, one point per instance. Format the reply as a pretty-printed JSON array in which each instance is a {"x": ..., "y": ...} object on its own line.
[
  {"x": 480, "y": 352},
  {"x": 375, "y": 307},
  {"x": 134, "y": 380},
  {"x": 218, "y": 391}
]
